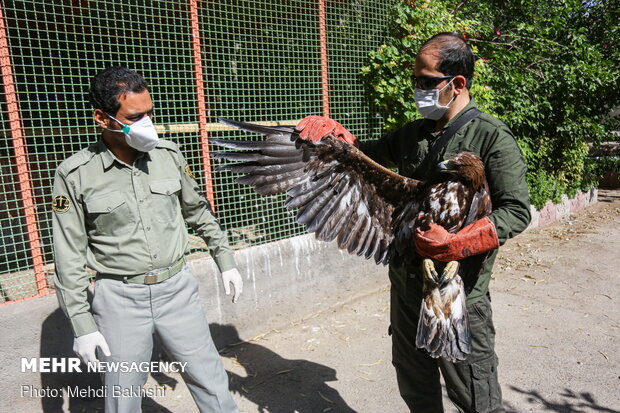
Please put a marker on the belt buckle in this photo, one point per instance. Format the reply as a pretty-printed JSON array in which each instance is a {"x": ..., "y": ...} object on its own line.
[{"x": 150, "y": 279}]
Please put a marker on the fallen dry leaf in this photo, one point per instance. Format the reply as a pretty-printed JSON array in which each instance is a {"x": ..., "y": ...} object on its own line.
[
  {"x": 371, "y": 364},
  {"x": 364, "y": 378}
]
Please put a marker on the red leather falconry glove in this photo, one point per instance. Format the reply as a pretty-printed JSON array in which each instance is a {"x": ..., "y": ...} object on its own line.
[
  {"x": 315, "y": 128},
  {"x": 441, "y": 245}
]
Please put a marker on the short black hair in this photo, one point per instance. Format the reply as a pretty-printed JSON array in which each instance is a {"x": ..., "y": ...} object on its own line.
[
  {"x": 455, "y": 55},
  {"x": 112, "y": 83}
]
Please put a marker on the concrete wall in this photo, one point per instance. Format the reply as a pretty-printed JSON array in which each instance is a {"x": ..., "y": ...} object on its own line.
[
  {"x": 552, "y": 212},
  {"x": 285, "y": 281}
]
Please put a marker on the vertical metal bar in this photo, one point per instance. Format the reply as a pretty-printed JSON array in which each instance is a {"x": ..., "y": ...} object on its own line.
[
  {"x": 202, "y": 105},
  {"x": 19, "y": 145},
  {"x": 324, "y": 58}
]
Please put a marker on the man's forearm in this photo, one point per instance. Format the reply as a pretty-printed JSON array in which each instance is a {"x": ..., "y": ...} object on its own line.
[{"x": 73, "y": 301}]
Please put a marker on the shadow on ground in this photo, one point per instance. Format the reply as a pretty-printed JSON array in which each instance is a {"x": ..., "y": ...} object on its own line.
[
  {"x": 266, "y": 379},
  {"x": 609, "y": 196},
  {"x": 57, "y": 341},
  {"x": 568, "y": 401},
  {"x": 276, "y": 384}
]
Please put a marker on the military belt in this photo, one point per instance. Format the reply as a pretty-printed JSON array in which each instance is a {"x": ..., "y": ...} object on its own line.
[{"x": 151, "y": 277}]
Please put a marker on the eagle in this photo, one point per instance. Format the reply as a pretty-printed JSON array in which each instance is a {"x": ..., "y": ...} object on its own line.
[{"x": 341, "y": 194}]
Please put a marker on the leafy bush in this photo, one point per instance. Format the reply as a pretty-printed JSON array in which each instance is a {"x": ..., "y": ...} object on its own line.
[
  {"x": 549, "y": 70},
  {"x": 389, "y": 71}
]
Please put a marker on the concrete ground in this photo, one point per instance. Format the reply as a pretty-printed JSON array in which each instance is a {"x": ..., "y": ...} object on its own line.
[{"x": 555, "y": 298}]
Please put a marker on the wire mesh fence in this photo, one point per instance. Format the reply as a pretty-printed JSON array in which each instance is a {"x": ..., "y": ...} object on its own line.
[{"x": 256, "y": 61}]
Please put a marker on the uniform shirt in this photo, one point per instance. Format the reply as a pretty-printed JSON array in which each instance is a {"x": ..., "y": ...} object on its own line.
[
  {"x": 123, "y": 220},
  {"x": 505, "y": 169}
]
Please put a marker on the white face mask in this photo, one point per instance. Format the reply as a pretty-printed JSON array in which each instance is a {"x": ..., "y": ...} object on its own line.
[
  {"x": 428, "y": 102},
  {"x": 140, "y": 135}
]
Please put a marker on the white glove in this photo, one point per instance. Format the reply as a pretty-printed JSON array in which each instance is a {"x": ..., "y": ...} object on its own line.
[
  {"x": 233, "y": 277},
  {"x": 85, "y": 346}
]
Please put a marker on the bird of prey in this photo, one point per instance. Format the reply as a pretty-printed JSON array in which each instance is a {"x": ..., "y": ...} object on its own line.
[{"x": 341, "y": 194}]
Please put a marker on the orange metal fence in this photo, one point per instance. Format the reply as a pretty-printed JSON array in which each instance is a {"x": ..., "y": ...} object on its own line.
[{"x": 263, "y": 61}]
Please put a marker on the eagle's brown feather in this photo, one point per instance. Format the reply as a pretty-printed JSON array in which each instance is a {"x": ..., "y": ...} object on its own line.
[
  {"x": 341, "y": 194},
  {"x": 338, "y": 191}
]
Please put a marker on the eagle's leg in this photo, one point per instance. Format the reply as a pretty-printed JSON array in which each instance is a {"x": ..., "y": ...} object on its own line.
[
  {"x": 449, "y": 272},
  {"x": 428, "y": 268}
]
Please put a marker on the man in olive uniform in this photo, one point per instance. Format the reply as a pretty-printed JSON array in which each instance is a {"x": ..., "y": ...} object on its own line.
[
  {"x": 444, "y": 69},
  {"x": 119, "y": 208}
]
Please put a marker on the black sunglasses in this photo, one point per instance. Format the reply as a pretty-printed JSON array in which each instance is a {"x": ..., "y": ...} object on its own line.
[{"x": 428, "y": 82}]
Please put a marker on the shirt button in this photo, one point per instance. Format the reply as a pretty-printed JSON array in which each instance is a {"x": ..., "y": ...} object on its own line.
[
  {"x": 155, "y": 256},
  {"x": 136, "y": 173},
  {"x": 141, "y": 201},
  {"x": 148, "y": 228}
]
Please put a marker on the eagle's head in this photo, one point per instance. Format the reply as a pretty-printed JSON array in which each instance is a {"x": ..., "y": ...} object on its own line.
[{"x": 465, "y": 167}]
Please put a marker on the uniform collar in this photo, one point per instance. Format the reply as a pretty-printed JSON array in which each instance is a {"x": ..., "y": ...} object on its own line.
[{"x": 108, "y": 158}]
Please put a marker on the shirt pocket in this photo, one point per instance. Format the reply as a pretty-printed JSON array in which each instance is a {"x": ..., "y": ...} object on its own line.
[
  {"x": 110, "y": 214},
  {"x": 165, "y": 198}
]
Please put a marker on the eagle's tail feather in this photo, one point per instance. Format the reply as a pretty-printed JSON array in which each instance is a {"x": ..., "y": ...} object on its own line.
[{"x": 443, "y": 327}]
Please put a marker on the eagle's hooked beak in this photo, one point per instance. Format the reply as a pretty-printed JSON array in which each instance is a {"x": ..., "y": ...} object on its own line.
[{"x": 446, "y": 166}]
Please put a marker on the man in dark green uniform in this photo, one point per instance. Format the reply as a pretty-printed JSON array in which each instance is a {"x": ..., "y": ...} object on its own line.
[
  {"x": 120, "y": 207},
  {"x": 443, "y": 73}
]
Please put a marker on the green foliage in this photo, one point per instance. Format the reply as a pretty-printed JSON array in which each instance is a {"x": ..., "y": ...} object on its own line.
[
  {"x": 598, "y": 166},
  {"x": 389, "y": 72},
  {"x": 549, "y": 70}
]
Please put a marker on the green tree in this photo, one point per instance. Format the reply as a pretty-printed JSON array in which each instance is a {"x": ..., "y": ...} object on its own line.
[
  {"x": 549, "y": 70},
  {"x": 389, "y": 72}
]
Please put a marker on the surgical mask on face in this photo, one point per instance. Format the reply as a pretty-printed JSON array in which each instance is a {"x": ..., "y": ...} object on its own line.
[
  {"x": 427, "y": 102},
  {"x": 140, "y": 135}
]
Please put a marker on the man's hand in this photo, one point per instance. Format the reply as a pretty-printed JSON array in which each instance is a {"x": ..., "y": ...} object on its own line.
[
  {"x": 85, "y": 346},
  {"x": 233, "y": 277},
  {"x": 440, "y": 245},
  {"x": 315, "y": 128}
]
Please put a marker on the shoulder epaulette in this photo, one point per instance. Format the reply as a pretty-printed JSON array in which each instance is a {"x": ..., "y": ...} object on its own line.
[
  {"x": 76, "y": 160},
  {"x": 166, "y": 144},
  {"x": 491, "y": 119}
]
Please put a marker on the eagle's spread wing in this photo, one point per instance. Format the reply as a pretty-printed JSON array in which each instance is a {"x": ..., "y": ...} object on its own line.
[
  {"x": 339, "y": 192},
  {"x": 342, "y": 194}
]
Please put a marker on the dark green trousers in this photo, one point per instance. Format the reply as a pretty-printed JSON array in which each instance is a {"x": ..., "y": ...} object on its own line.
[{"x": 472, "y": 384}]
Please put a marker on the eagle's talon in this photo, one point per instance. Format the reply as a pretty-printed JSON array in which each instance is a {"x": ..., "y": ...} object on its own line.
[
  {"x": 428, "y": 268},
  {"x": 449, "y": 272}
]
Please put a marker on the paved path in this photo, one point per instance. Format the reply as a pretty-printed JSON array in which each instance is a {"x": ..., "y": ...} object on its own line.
[{"x": 555, "y": 296}]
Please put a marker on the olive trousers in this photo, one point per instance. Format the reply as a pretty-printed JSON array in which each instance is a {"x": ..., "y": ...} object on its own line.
[{"x": 472, "y": 384}]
